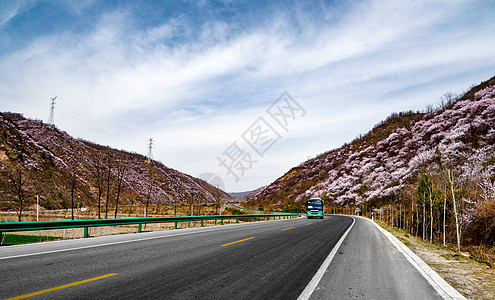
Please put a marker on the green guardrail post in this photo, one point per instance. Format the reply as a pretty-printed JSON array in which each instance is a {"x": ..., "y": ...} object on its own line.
[
  {"x": 237, "y": 220},
  {"x": 202, "y": 224},
  {"x": 259, "y": 219},
  {"x": 139, "y": 227},
  {"x": 86, "y": 232},
  {"x": 175, "y": 225},
  {"x": 221, "y": 221}
]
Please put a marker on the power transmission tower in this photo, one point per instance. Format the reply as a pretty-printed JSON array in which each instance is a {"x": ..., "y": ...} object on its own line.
[
  {"x": 150, "y": 150},
  {"x": 51, "y": 118}
]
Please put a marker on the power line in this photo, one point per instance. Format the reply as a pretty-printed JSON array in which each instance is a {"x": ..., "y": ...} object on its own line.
[{"x": 51, "y": 118}]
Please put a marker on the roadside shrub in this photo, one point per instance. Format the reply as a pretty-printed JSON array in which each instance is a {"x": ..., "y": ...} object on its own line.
[{"x": 481, "y": 224}]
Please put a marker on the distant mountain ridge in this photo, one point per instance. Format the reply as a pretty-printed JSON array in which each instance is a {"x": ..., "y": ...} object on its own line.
[
  {"x": 50, "y": 162},
  {"x": 385, "y": 163},
  {"x": 244, "y": 195}
]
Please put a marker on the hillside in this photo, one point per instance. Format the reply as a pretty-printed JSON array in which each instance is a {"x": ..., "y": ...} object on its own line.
[
  {"x": 384, "y": 165},
  {"x": 60, "y": 168}
]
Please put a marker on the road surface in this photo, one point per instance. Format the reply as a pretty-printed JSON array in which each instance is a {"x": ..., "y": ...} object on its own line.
[{"x": 260, "y": 260}]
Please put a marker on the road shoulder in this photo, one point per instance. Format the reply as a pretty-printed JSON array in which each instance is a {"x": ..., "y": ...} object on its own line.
[
  {"x": 473, "y": 279},
  {"x": 369, "y": 266},
  {"x": 440, "y": 285}
]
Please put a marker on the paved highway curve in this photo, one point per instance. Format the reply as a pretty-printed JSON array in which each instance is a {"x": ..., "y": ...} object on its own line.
[{"x": 262, "y": 260}]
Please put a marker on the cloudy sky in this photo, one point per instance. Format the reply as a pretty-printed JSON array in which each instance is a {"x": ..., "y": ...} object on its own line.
[{"x": 242, "y": 89}]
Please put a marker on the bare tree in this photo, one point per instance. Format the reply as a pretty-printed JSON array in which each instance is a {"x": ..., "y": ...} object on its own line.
[
  {"x": 150, "y": 187},
  {"x": 21, "y": 196},
  {"x": 448, "y": 99},
  {"x": 444, "y": 194},
  {"x": 18, "y": 189},
  {"x": 72, "y": 192},
  {"x": 109, "y": 162},
  {"x": 175, "y": 206},
  {"x": 121, "y": 168},
  {"x": 449, "y": 176},
  {"x": 97, "y": 172}
]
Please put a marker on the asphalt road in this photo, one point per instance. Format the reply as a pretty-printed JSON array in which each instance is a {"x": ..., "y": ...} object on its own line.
[
  {"x": 368, "y": 266},
  {"x": 262, "y": 260}
]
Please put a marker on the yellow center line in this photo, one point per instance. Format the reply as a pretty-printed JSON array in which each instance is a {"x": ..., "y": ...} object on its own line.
[
  {"x": 309, "y": 223},
  {"x": 61, "y": 287},
  {"x": 288, "y": 228},
  {"x": 238, "y": 241}
]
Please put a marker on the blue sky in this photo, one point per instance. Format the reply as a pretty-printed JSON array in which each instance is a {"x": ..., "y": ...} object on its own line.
[{"x": 197, "y": 76}]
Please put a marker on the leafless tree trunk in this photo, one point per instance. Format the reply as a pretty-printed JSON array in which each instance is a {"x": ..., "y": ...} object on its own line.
[
  {"x": 121, "y": 167},
  {"x": 148, "y": 197},
  {"x": 430, "y": 192},
  {"x": 97, "y": 172},
  {"x": 150, "y": 187},
  {"x": 72, "y": 192},
  {"x": 424, "y": 216},
  {"x": 417, "y": 222},
  {"x": 191, "y": 202},
  {"x": 109, "y": 174},
  {"x": 444, "y": 213},
  {"x": 18, "y": 184},
  {"x": 412, "y": 215},
  {"x": 175, "y": 207},
  {"x": 450, "y": 179},
  {"x": 218, "y": 200}
]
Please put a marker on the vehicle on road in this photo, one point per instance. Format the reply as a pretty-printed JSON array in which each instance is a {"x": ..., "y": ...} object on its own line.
[{"x": 314, "y": 208}]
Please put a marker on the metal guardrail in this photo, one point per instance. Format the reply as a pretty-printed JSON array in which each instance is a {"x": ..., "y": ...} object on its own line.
[{"x": 43, "y": 225}]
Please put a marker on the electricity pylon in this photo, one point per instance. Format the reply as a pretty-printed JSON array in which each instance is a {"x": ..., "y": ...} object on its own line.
[
  {"x": 150, "y": 150},
  {"x": 51, "y": 118}
]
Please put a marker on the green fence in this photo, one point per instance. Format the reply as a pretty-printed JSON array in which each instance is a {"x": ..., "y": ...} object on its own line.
[{"x": 43, "y": 225}]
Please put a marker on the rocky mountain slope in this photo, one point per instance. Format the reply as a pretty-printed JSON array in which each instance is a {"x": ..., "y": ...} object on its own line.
[
  {"x": 46, "y": 161},
  {"x": 384, "y": 165}
]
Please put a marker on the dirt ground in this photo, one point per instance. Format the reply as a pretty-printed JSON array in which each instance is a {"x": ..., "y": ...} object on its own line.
[{"x": 471, "y": 278}]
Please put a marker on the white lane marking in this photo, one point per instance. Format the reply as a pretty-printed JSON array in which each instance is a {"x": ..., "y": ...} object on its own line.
[
  {"x": 445, "y": 290},
  {"x": 310, "y": 288},
  {"x": 205, "y": 229}
]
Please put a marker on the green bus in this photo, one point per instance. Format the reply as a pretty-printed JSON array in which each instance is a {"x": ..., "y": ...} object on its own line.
[{"x": 314, "y": 208}]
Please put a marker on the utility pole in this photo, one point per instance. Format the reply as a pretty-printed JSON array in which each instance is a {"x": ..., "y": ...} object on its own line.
[{"x": 51, "y": 118}]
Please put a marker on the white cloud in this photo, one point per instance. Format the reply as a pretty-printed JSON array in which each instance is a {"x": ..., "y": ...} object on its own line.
[{"x": 196, "y": 93}]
